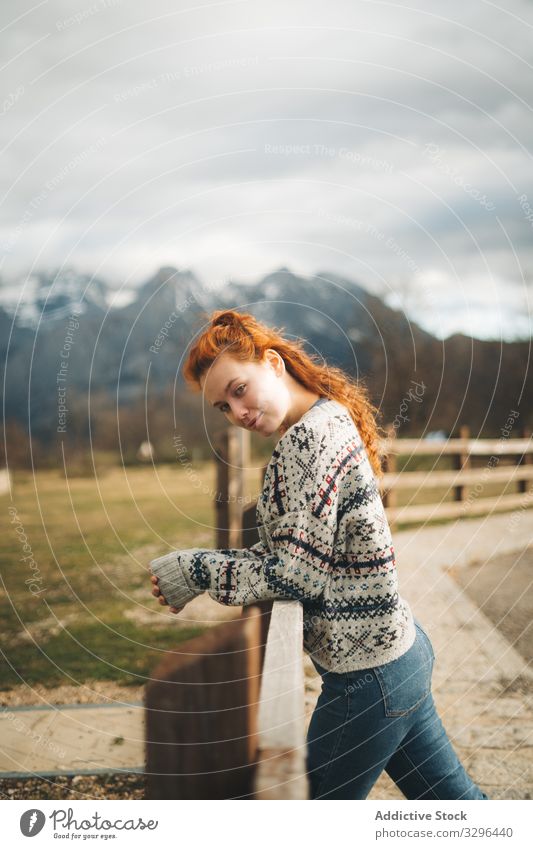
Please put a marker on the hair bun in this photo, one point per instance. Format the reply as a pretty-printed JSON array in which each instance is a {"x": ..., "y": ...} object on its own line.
[{"x": 226, "y": 318}]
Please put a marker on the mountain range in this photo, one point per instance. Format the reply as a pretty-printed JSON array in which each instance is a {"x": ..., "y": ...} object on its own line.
[{"x": 122, "y": 345}]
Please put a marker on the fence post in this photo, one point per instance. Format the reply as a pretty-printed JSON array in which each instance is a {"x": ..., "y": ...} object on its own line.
[
  {"x": 5, "y": 481},
  {"x": 389, "y": 467},
  {"x": 524, "y": 459},
  {"x": 250, "y": 536},
  {"x": 232, "y": 459},
  {"x": 201, "y": 709},
  {"x": 461, "y": 461}
]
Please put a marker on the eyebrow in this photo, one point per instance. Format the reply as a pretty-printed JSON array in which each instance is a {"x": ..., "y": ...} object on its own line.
[{"x": 233, "y": 379}]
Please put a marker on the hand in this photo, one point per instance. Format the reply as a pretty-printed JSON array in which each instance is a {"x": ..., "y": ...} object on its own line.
[{"x": 162, "y": 600}]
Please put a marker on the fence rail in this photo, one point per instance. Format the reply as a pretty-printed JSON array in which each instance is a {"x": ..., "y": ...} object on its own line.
[{"x": 456, "y": 480}]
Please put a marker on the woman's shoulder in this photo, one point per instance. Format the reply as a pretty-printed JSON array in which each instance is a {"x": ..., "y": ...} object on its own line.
[
  {"x": 330, "y": 416},
  {"x": 317, "y": 439},
  {"x": 314, "y": 446}
]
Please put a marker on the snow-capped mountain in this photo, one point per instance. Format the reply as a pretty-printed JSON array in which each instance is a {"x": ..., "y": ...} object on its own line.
[{"x": 124, "y": 343}]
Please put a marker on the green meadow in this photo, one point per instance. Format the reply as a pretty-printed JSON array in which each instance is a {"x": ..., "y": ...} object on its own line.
[
  {"x": 79, "y": 606},
  {"x": 82, "y": 607}
]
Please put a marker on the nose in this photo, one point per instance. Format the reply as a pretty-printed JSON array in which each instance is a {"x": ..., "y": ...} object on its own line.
[{"x": 240, "y": 413}]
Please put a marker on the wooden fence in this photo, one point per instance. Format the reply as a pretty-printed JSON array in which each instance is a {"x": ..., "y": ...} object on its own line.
[{"x": 518, "y": 470}]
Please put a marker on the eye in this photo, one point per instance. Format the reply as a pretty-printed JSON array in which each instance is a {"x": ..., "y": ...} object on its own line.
[{"x": 223, "y": 406}]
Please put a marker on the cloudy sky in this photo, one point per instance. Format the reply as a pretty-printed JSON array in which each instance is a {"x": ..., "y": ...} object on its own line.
[{"x": 388, "y": 142}]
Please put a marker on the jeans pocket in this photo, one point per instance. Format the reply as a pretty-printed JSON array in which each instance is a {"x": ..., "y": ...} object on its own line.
[
  {"x": 429, "y": 644},
  {"x": 406, "y": 681}
]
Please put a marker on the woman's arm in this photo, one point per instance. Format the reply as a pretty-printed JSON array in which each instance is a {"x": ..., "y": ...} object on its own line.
[
  {"x": 296, "y": 567},
  {"x": 293, "y": 558}
]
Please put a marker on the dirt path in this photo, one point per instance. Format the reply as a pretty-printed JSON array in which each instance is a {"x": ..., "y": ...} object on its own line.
[{"x": 502, "y": 588}]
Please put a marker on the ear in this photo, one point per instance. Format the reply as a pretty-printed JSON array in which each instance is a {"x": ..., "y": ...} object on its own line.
[{"x": 275, "y": 360}]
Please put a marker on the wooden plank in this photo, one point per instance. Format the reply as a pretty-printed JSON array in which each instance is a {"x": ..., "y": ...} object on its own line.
[
  {"x": 238, "y": 457},
  {"x": 250, "y": 536},
  {"x": 222, "y": 518},
  {"x": 5, "y": 482},
  {"x": 281, "y": 770},
  {"x": 454, "y": 509},
  {"x": 250, "y": 533},
  {"x": 231, "y": 457},
  {"x": 525, "y": 459},
  {"x": 201, "y": 715},
  {"x": 461, "y": 461},
  {"x": 389, "y": 468},
  {"x": 430, "y": 478},
  {"x": 478, "y": 447}
]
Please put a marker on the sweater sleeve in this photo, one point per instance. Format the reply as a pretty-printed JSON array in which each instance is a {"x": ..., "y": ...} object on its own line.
[{"x": 292, "y": 560}]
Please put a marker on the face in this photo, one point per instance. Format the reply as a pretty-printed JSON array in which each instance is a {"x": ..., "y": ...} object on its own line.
[{"x": 249, "y": 392}]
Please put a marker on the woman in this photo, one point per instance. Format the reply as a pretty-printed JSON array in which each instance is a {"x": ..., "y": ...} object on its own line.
[{"x": 325, "y": 541}]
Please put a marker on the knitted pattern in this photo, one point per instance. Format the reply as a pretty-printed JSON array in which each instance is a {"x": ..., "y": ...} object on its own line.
[{"x": 324, "y": 541}]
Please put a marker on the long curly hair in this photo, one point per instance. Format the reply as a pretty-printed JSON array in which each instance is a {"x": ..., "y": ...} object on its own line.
[{"x": 246, "y": 338}]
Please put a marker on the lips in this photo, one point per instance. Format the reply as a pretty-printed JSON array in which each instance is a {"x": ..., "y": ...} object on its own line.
[{"x": 254, "y": 421}]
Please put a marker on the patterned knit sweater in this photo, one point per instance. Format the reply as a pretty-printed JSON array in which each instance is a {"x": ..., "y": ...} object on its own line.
[{"x": 324, "y": 541}]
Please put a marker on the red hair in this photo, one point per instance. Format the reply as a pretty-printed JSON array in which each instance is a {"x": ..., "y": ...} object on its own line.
[{"x": 246, "y": 338}]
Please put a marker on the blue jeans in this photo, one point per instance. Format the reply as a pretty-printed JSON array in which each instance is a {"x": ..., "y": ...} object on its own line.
[{"x": 384, "y": 718}]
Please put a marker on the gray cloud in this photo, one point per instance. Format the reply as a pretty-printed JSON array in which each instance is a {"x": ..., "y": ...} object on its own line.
[{"x": 389, "y": 144}]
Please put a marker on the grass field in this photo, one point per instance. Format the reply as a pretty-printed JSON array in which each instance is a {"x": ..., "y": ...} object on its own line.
[
  {"x": 89, "y": 613},
  {"x": 91, "y": 541}
]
